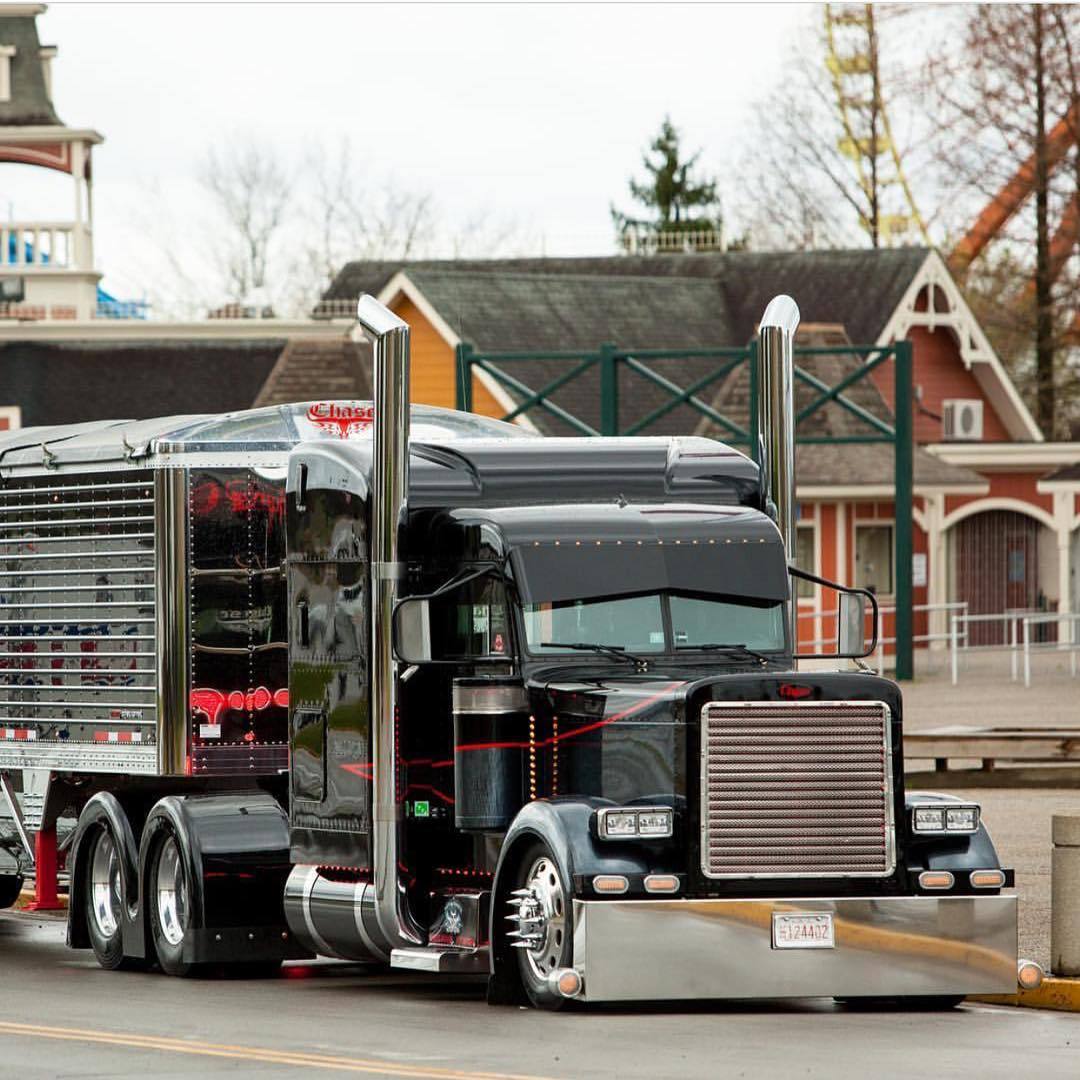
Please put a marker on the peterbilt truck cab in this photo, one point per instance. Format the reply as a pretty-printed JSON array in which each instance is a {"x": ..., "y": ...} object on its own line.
[{"x": 578, "y": 751}]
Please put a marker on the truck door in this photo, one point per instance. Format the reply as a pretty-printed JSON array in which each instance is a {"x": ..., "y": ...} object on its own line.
[{"x": 330, "y": 763}]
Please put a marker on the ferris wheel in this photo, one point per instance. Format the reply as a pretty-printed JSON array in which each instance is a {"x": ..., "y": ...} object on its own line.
[{"x": 852, "y": 61}]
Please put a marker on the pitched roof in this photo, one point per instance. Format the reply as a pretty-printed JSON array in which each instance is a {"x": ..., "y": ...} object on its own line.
[
  {"x": 318, "y": 369},
  {"x": 65, "y": 383},
  {"x": 514, "y": 311},
  {"x": 29, "y": 103},
  {"x": 858, "y": 288}
]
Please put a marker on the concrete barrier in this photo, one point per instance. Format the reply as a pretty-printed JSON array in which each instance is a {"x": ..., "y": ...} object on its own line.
[{"x": 1065, "y": 895}]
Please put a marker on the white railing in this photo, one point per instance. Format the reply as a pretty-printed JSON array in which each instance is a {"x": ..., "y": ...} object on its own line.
[
  {"x": 1070, "y": 646},
  {"x": 1017, "y": 623},
  {"x": 648, "y": 240},
  {"x": 960, "y": 606},
  {"x": 54, "y": 245}
]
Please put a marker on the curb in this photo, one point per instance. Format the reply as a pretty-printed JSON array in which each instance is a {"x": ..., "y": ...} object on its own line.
[{"x": 1062, "y": 995}]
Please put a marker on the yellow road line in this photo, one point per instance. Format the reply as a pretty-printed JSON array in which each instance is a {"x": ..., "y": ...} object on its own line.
[{"x": 253, "y": 1053}]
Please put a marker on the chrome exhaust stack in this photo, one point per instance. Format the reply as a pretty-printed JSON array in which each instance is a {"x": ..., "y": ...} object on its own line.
[
  {"x": 776, "y": 420},
  {"x": 389, "y": 497}
]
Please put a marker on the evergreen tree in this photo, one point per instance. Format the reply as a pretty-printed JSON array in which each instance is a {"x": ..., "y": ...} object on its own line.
[{"x": 680, "y": 200}]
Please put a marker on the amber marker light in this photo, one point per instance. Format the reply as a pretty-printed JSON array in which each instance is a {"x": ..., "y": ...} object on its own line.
[
  {"x": 566, "y": 982},
  {"x": 661, "y": 883},
  {"x": 936, "y": 879},
  {"x": 987, "y": 879},
  {"x": 1029, "y": 975},
  {"x": 610, "y": 883}
]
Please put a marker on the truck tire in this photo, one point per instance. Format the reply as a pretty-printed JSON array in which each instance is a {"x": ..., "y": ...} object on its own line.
[
  {"x": 168, "y": 898},
  {"x": 10, "y": 887},
  {"x": 539, "y": 910},
  {"x": 103, "y": 900}
]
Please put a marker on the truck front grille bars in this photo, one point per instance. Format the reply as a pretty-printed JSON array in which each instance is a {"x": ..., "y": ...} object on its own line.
[{"x": 796, "y": 790}]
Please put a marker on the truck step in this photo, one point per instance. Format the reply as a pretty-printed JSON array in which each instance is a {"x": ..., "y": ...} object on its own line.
[{"x": 442, "y": 961}]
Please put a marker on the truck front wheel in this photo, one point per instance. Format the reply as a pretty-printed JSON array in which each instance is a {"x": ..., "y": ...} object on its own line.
[
  {"x": 103, "y": 897},
  {"x": 541, "y": 933},
  {"x": 170, "y": 912}
]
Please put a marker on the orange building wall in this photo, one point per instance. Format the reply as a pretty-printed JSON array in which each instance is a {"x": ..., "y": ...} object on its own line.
[
  {"x": 434, "y": 368},
  {"x": 1022, "y": 486},
  {"x": 828, "y": 519},
  {"x": 938, "y": 369}
]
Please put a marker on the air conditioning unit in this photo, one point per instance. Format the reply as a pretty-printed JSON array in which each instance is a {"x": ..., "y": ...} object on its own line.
[{"x": 963, "y": 419}]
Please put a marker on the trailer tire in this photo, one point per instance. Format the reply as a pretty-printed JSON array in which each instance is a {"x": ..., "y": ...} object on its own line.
[
  {"x": 10, "y": 887},
  {"x": 168, "y": 898},
  {"x": 545, "y": 913},
  {"x": 103, "y": 892}
]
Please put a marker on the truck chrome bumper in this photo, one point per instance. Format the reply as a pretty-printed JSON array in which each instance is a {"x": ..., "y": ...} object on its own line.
[{"x": 650, "y": 950}]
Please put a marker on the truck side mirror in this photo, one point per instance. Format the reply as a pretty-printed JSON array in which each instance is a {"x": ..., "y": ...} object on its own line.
[
  {"x": 851, "y": 624},
  {"x": 412, "y": 630}
]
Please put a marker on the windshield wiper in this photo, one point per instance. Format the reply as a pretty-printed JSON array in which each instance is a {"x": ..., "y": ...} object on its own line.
[
  {"x": 617, "y": 651},
  {"x": 713, "y": 646}
]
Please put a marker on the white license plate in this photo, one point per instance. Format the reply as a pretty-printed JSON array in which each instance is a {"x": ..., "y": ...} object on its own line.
[{"x": 803, "y": 931}]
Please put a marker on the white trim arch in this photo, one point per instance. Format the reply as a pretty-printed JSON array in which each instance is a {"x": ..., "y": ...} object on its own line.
[{"x": 999, "y": 502}]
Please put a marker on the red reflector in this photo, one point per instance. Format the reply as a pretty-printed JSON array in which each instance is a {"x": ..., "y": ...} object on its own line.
[{"x": 790, "y": 690}]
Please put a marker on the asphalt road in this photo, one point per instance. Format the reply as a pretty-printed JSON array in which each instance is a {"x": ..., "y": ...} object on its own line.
[{"x": 64, "y": 1017}]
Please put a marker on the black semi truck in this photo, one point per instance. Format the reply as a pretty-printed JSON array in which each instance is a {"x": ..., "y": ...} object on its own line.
[{"x": 417, "y": 687}]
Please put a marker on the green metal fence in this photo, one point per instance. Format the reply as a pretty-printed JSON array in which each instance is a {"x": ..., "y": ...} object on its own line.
[{"x": 616, "y": 367}]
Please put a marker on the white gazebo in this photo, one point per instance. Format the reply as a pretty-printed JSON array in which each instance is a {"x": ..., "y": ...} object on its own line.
[{"x": 46, "y": 267}]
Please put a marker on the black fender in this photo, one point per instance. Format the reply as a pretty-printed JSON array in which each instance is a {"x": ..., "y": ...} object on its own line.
[
  {"x": 566, "y": 826},
  {"x": 956, "y": 852},
  {"x": 240, "y": 842},
  {"x": 103, "y": 809}
]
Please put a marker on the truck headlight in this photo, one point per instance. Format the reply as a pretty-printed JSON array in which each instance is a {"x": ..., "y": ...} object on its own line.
[
  {"x": 945, "y": 818},
  {"x": 961, "y": 818},
  {"x": 615, "y": 823},
  {"x": 623, "y": 822}
]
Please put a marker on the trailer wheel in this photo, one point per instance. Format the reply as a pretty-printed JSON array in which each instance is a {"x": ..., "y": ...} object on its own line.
[
  {"x": 169, "y": 902},
  {"x": 10, "y": 887},
  {"x": 541, "y": 931},
  {"x": 103, "y": 899}
]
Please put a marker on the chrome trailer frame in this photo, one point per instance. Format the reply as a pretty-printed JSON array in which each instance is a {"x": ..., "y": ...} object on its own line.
[{"x": 902, "y": 946}]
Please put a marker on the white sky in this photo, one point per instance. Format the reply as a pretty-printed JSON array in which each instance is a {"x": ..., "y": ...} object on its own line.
[{"x": 536, "y": 113}]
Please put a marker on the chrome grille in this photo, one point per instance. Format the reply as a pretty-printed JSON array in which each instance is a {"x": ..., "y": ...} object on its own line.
[
  {"x": 77, "y": 609},
  {"x": 800, "y": 789}
]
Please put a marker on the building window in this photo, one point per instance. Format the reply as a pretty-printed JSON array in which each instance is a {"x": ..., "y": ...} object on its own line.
[
  {"x": 874, "y": 558},
  {"x": 804, "y": 560}
]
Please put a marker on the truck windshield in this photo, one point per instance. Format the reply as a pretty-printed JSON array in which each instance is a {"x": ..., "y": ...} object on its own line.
[{"x": 637, "y": 624}]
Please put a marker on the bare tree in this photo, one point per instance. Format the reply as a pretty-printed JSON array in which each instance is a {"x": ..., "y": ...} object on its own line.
[
  {"x": 1008, "y": 110},
  {"x": 826, "y": 165},
  {"x": 252, "y": 190}
]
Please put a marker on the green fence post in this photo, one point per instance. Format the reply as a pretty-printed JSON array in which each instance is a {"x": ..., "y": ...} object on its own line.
[
  {"x": 463, "y": 381},
  {"x": 609, "y": 390},
  {"x": 904, "y": 455}
]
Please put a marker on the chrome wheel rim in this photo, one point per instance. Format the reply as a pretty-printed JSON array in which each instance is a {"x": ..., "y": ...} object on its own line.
[
  {"x": 105, "y": 885},
  {"x": 540, "y": 918},
  {"x": 171, "y": 893}
]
